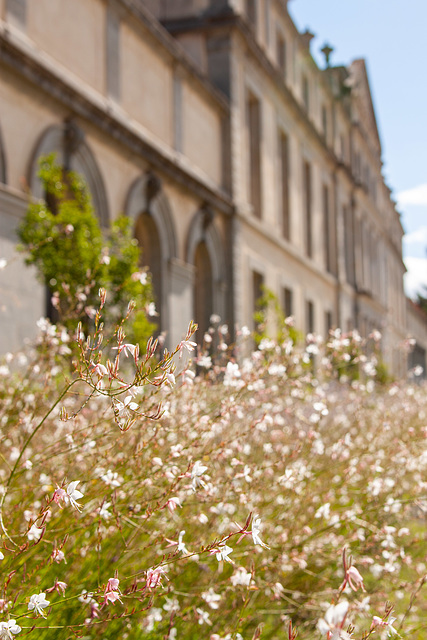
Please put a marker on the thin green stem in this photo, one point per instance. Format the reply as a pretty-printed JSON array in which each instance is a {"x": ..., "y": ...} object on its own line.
[{"x": 18, "y": 460}]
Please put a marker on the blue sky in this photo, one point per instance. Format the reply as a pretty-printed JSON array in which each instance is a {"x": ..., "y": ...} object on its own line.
[{"x": 390, "y": 35}]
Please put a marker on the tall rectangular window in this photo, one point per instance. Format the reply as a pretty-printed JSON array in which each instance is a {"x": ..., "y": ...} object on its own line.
[
  {"x": 281, "y": 54},
  {"x": 257, "y": 292},
  {"x": 17, "y": 10},
  {"x": 342, "y": 153},
  {"x": 326, "y": 229},
  {"x": 284, "y": 181},
  {"x": 306, "y": 93},
  {"x": 309, "y": 316},
  {"x": 253, "y": 109},
  {"x": 307, "y": 189},
  {"x": 349, "y": 241},
  {"x": 267, "y": 22},
  {"x": 328, "y": 322},
  {"x": 177, "y": 112},
  {"x": 325, "y": 122},
  {"x": 113, "y": 53},
  {"x": 251, "y": 11},
  {"x": 287, "y": 302}
]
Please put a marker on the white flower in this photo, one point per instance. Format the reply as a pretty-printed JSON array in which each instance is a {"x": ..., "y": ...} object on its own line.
[
  {"x": 170, "y": 378},
  {"x": 99, "y": 369},
  {"x": 74, "y": 494},
  {"x": 211, "y": 598},
  {"x": 1, "y": 556},
  {"x": 256, "y": 522},
  {"x": 171, "y": 604},
  {"x": 186, "y": 347},
  {"x": 196, "y": 473},
  {"x": 111, "y": 478},
  {"x": 323, "y": 511},
  {"x": 127, "y": 404},
  {"x": 103, "y": 512},
  {"x": 331, "y": 625},
  {"x": 223, "y": 552},
  {"x": 390, "y": 629},
  {"x": 241, "y": 577},
  {"x": 154, "y": 616},
  {"x": 203, "y": 616},
  {"x": 86, "y": 596},
  {"x": 377, "y": 621},
  {"x": 129, "y": 349},
  {"x": 151, "y": 309},
  {"x": 140, "y": 276},
  {"x": 3, "y": 263},
  {"x": 38, "y": 602},
  {"x": 181, "y": 545},
  {"x": 34, "y": 533},
  {"x": 7, "y": 628}
]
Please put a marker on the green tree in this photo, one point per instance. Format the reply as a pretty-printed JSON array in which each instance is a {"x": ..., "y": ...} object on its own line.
[{"x": 62, "y": 238}]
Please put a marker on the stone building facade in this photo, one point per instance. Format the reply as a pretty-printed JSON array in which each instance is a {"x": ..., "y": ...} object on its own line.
[{"x": 240, "y": 161}]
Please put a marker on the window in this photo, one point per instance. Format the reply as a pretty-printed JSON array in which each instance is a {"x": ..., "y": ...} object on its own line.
[
  {"x": 342, "y": 153},
  {"x": 287, "y": 302},
  {"x": 267, "y": 22},
  {"x": 328, "y": 322},
  {"x": 148, "y": 237},
  {"x": 253, "y": 109},
  {"x": 177, "y": 112},
  {"x": 284, "y": 182},
  {"x": 113, "y": 54},
  {"x": 17, "y": 11},
  {"x": 326, "y": 230},
  {"x": 309, "y": 316},
  {"x": 281, "y": 54},
  {"x": 349, "y": 244},
  {"x": 305, "y": 93},
  {"x": 357, "y": 166},
  {"x": 251, "y": 11},
  {"x": 307, "y": 209},
  {"x": 257, "y": 292},
  {"x": 203, "y": 290},
  {"x": 325, "y": 122}
]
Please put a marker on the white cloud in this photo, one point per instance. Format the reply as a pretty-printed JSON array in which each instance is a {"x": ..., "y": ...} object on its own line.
[
  {"x": 416, "y": 237},
  {"x": 416, "y": 196},
  {"x": 416, "y": 276}
]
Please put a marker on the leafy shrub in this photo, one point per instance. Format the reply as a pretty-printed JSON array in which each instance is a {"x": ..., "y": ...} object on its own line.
[{"x": 63, "y": 240}]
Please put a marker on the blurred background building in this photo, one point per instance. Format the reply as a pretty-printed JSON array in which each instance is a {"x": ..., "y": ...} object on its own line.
[{"x": 241, "y": 162}]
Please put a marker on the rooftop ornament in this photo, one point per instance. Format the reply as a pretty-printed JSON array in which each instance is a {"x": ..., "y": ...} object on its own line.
[{"x": 327, "y": 50}]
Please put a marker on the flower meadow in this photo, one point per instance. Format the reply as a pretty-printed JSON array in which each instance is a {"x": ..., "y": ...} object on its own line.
[{"x": 212, "y": 492}]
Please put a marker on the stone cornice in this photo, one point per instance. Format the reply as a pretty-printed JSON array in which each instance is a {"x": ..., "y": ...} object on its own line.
[{"x": 106, "y": 115}]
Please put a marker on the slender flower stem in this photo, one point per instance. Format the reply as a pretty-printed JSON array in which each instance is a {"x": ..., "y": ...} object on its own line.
[{"x": 18, "y": 460}]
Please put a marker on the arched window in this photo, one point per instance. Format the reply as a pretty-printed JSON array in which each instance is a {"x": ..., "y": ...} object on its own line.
[
  {"x": 148, "y": 206},
  {"x": 205, "y": 251},
  {"x": 68, "y": 143},
  {"x": 151, "y": 254},
  {"x": 203, "y": 290}
]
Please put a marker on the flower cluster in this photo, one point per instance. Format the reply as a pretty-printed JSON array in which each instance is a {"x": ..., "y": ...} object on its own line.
[{"x": 223, "y": 496}]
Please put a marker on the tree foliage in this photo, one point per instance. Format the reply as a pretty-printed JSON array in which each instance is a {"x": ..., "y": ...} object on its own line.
[{"x": 63, "y": 239}]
